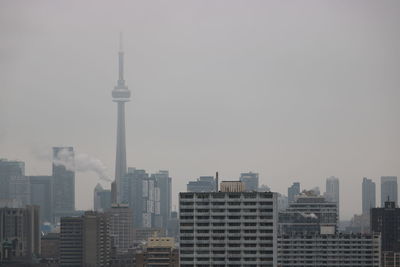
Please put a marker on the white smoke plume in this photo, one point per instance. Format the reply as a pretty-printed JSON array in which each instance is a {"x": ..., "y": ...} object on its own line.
[{"x": 77, "y": 162}]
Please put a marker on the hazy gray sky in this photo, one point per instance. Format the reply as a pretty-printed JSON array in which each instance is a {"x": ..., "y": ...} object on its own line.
[{"x": 294, "y": 90}]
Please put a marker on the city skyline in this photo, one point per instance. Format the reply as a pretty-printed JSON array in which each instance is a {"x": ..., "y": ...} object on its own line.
[{"x": 307, "y": 121}]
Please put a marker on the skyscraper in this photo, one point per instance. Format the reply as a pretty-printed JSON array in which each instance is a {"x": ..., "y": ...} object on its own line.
[
  {"x": 120, "y": 95},
  {"x": 368, "y": 195},
  {"x": 332, "y": 191},
  {"x": 101, "y": 198},
  {"x": 388, "y": 189},
  {"x": 164, "y": 183},
  {"x": 63, "y": 181},
  {"x": 250, "y": 180},
  {"x": 9, "y": 170},
  {"x": 293, "y": 191},
  {"x": 203, "y": 184},
  {"x": 121, "y": 227},
  {"x": 42, "y": 195}
]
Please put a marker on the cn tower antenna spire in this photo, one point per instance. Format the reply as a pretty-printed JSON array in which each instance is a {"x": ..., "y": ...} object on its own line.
[{"x": 120, "y": 95}]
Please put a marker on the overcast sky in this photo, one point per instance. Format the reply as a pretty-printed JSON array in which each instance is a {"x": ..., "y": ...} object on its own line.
[{"x": 293, "y": 90}]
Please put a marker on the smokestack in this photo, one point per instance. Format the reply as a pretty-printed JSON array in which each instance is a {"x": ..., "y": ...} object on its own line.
[{"x": 216, "y": 182}]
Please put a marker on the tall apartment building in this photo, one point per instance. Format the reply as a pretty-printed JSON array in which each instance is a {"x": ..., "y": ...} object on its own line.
[
  {"x": 202, "y": 184},
  {"x": 389, "y": 189},
  {"x": 9, "y": 170},
  {"x": 85, "y": 240},
  {"x": 164, "y": 183},
  {"x": 293, "y": 191},
  {"x": 250, "y": 180},
  {"x": 63, "y": 181},
  {"x": 19, "y": 233},
  {"x": 41, "y": 188},
  {"x": 228, "y": 228},
  {"x": 386, "y": 221},
  {"x": 158, "y": 251},
  {"x": 121, "y": 227},
  {"x": 329, "y": 250},
  {"x": 311, "y": 214},
  {"x": 368, "y": 195}
]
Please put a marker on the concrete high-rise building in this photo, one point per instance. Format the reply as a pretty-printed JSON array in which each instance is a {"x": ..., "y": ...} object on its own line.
[
  {"x": 41, "y": 188},
  {"x": 293, "y": 191},
  {"x": 9, "y": 170},
  {"x": 85, "y": 240},
  {"x": 310, "y": 214},
  {"x": 329, "y": 250},
  {"x": 20, "y": 189},
  {"x": 158, "y": 251},
  {"x": 19, "y": 233},
  {"x": 120, "y": 95},
  {"x": 250, "y": 180},
  {"x": 332, "y": 191},
  {"x": 203, "y": 184},
  {"x": 101, "y": 198},
  {"x": 228, "y": 229},
  {"x": 164, "y": 183},
  {"x": 388, "y": 189},
  {"x": 121, "y": 227},
  {"x": 368, "y": 195},
  {"x": 63, "y": 181}
]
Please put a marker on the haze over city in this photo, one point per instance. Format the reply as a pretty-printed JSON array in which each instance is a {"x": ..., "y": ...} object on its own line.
[{"x": 294, "y": 92}]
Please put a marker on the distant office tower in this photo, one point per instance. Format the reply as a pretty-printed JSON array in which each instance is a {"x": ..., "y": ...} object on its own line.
[
  {"x": 120, "y": 95},
  {"x": 386, "y": 221},
  {"x": 173, "y": 225},
  {"x": 121, "y": 229},
  {"x": 332, "y": 189},
  {"x": 250, "y": 180},
  {"x": 63, "y": 181},
  {"x": 388, "y": 189},
  {"x": 368, "y": 195},
  {"x": 158, "y": 251},
  {"x": 310, "y": 214},
  {"x": 283, "y": 202},
  {"x": 228, "y": 229},
  {"x": 329, "y": 250},
  {"x": 19, "y": 233},
  {"x": 293, "y": 191},
  {"x": 41, "y": 188},
  {"x": 85, "y": 240},
  {"x": 143, "y": 196},
  {"x": 164, "y": 183},
  {"x": 203, "y": 184},
  {"x": 9, "y": 170},
  {"x": 101, "y": 198},
  {"x": 20, "y": 189}
]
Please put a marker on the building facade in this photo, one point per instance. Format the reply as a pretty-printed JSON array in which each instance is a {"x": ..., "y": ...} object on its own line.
[
  {"x": 228, "y": 228},
  {"x": 9, "y": 170},
  {"x": 19, "y": 233},
  {"x": 121, "y": 227},
  {"x": 250, "y": 180},
  {"x": 389, "y": 190},
  {"x": 368, "y": 195},
  {"x": 164, "y": 183},
  {"x": 63, "y": 181},
  {"x": 41, "y": 188},
  {"x": 158, "y": 251},
  {"x": 293, "y": 191},
  {"x": 329, "y": 250},
  {"x": 202, "y": 184}
]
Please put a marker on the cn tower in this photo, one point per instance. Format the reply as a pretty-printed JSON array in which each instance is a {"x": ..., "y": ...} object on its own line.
[{"x": 120, "y": 95}]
